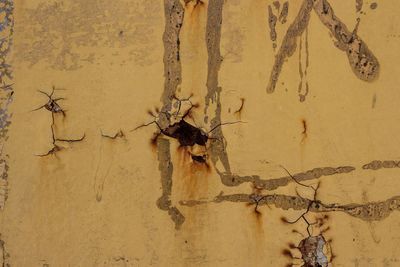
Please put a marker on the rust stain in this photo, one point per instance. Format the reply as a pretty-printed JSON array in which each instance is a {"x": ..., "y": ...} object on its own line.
[
  {"x": 153, "y": 141},
  {"x": 256, "y": 224},
  {"x": 192, "y": 175},
  {"x": 287, "y": 253},
  {"x": 238, "y": 112},
  {"x": 304, "y": 133}
]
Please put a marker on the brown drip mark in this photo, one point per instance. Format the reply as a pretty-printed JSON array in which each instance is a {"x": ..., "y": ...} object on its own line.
[
  {"x": 304, "y": 127},
  {"x": 55, "y": 108},
  {"x": 362, "y": 61},
  {"x": 304, "y": 132},
  {"x": 239, "y": 111}
]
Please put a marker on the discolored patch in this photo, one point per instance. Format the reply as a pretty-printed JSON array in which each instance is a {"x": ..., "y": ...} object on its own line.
[
  {"x": 359, "y": 5},
  {"x": 3, "y": 254},
  {"x": 165, "y": 167},
  {"x": 289, "y": 43},
  {"x": 362, "y": 61},
  {"x": 272, "y": 23},
  {"x": 311, "y": 249},
  {"x": 284, "y": 13},
  {"x": 379, "y": 164}
]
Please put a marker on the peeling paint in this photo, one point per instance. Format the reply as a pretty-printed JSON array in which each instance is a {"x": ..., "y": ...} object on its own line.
[
  {"x": 362, "y": 61},
  {"x": 284, "y": 13},
  {"x": 379, "y": 164},
  {"x": 311, "y": 251},
  {"x": 229, "y": 179},
  {"x": 289, "y": 43},
  {"x": 166, "y": 169},
  {"x": 3, "y": 254},
  {"x": 359, "y": 5},
  {"x": 372, "y": 211}
]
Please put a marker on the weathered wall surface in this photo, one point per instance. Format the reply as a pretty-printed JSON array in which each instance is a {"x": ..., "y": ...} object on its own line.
[{"x": 200, "y": 133}]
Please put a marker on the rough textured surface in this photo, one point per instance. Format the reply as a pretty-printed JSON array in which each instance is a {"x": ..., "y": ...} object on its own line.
[{"x": 159, "y": 145}]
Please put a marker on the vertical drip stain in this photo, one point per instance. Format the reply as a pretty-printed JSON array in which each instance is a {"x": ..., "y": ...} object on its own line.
[
  {"x": 300, "y": 68},
  {"x": 284, "y": 12},
  {"x": 303, "y": 93},
  {"x": 213, "y": 37},
  {"x": 174, "y": 13},
  {"x": 289, "y": 43},
  {"x": 272, "y": 23},
  {"x": 362, "y": 61},
  {"x": 166, "y": 168}
]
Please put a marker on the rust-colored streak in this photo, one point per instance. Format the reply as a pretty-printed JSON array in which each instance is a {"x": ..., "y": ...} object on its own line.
[
  {"x": 258, "y": 215},
  {"x": 304, "y": 126},
  {"x": 238, "y": 112},
  {"x": 153, "y": 141},
  {"x": 304, "y": 133},
  {"x": 287, "y": 253},
  {"x": 284, "y": 219},
  {"x": 191, "y": 182}
]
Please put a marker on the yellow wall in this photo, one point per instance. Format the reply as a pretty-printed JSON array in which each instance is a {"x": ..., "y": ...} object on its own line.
[{"x": 114, "y": 195}]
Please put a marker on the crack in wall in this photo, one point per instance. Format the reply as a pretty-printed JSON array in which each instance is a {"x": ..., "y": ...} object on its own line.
[
  {"x": 229, "y": 179},
  {"x": 174, "y": 18},
  {"x": 371, "y": 211},
  {"x": 55, "y": 108}
]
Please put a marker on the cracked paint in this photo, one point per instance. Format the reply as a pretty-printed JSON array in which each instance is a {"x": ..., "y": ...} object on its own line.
[{"x": 217, "y": 172}]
